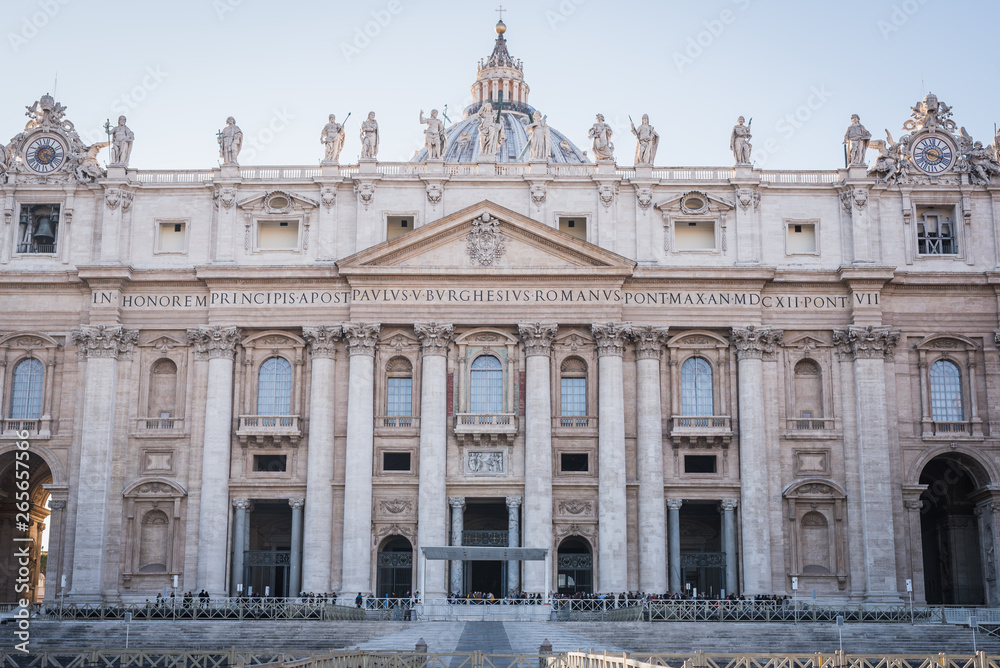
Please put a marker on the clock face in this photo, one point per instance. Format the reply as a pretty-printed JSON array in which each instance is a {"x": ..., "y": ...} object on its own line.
[
  {"x": 45, "y": 155},
  {"x": 932, "y": 155}
]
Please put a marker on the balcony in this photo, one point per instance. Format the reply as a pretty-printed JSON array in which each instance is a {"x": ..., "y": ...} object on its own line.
[
  {"x": 36, "y": 249},
  {"x": 485, "y": 538},
  {"x": 701, "y": 430},
  {"x": 152, "y": 427},
  {"x": 397, "y": 425},
  {"x": 811, "y": 428},
  {"x": 269, "y": 430},
  {"x": 486, "y": 426},
  {"x": 575, "y": 426},
  {"x": 965, "y": 429},
  {"x": 38, "y": 428}
]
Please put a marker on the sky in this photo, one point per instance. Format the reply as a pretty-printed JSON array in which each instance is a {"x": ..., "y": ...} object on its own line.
[{"x": 798, "y": 69}]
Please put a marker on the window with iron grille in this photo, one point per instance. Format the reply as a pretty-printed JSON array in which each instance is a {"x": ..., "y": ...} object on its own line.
[
  {"x": 486, "y": 385},
  {"x": 26, "y": 393},
  {"x": 274, "y": 387},
  {"x": 946, "y": 392},
  {"x": 574, "y": 397},
  {"x": 696, "y": 387},
  {"x": 936, "y": 233},
  {"x": 399, "y": 397}
]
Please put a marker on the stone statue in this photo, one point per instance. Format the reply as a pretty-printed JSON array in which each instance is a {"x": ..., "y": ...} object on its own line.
[
  {"x": 369, "y": 137},
  {"x": 892, "y": 164},
  {"x": 601, "y": 133},
  {"x": 230, "y": 142},
  {"x": 982, "y": 165},
  {"x": 739, "y": 142},
  {"x": 856, "y": 138},
  {"x": 649, "y": 141},
  {"x": 121, "y": 142},
  {"x": 435, "y": 138},
  {"x": 332, "y": 139},
  {"x": 540, "y": 138},
  {"x": 996, "y": 146},
  {"x": 87, "y": 168},
  {"x": 491, "y": 131}
]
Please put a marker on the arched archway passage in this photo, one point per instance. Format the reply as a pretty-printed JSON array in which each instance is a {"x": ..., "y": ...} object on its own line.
[
  {"x": 23, "y": 517},
  {"x": 575, "y": 567},
  {"x": 395, "y": 568}
]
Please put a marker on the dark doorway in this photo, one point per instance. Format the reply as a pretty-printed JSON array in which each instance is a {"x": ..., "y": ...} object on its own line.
[
  {"x": 395, "y": 568},
  {"x": 486, "y": 577},
  {"x": 20, "y": 520},
  {"x": 267, "y": 556},
  {"x": 575, "y": 567},
  {"x": 703, "y": 563},
  {"x": 484, "y": 524}
]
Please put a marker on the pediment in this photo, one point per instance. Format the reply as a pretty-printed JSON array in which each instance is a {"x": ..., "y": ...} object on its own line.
[{"x": 486, "y": 238}]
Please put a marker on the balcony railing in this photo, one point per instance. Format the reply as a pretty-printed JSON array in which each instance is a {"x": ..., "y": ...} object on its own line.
[
  {"x": 701, "y": 429},
  {"x": 158, "y": 425},
  {"x": 12, "y": 427},
  {"x": 951, "y": 428},
  {"x": 396, "y": 422},
  {"x": 285, "y": 427},
  {"x": 486, "y": 423},
  {"x": 485, "y": 538},
  {"x": 810, "y": 424},
  {"x": 36, "y": 248},
  {"x": 575, "y": 421}
]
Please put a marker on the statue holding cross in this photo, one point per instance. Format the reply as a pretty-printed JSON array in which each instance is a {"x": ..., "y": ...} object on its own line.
[{"x": 491, "y": 131}]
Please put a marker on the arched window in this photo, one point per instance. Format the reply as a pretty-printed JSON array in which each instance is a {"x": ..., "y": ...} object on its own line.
[
  {"x": 26, "y": 392},
  {"x": 395, "y": 568},
  {"x": 575, "y": 565},
  {"x": 163, "y": 389},
  {"x": 946, "y": 392},
  {"x": 399, "y": 387},
  {"x": 573, "y": 389},
  {"x": 486, "y": 385},
  {"x": 696, "y": 387},
  {"x": 808, "y": 393},
  {"x": 274, "y": 387}
]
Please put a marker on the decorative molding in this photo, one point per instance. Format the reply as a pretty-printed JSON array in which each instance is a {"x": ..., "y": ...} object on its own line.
[
  {"x": 539, "y": 191},
  {"x": 365, "y": 193},
  {"x": 435, "y": 191},
  {"x": 868, "y": 342},
  {"x": 362, "y": 337},
  {"x": 607, "y": 192},
  {"x": 728, "y": 504},
  {"x": 576, "y": 507},
  {"x": 395, "y": 506},
  {"x": 328, "y": 196},
  {"x": 748, "y": 197},
  {"x": 297, "y": 503},
  {"x": 456, "y": 501},
  {"x": 434, "y": 337},
  {"x": 675, "y": 504},
  {"x": 755, "y": 342},
  {"x": 226, "y": 197},
  {"x": 322, "y": 340},
  {"x": 649, "y": 341},
  {"x": 514, "y": 501},
  {"x": 537, "y": 337},
  {"x": 108, "y": 341},
  {"x": 485, "y": 243},
  {"x": 214, "y": 342},
  {"x": 856, "y": 198},
  {"x": 611, "y": 337}
]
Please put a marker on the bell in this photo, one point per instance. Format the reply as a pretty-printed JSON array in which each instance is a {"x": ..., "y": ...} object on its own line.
[{"x": 45, "y": 233}]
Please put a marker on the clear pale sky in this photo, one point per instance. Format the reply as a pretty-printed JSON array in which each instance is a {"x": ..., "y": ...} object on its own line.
[{"x": 177, "y": 69}]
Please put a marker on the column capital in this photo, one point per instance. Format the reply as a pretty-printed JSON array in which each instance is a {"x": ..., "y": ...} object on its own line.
[
  {"x": 434, "y": 337},
  {"x": 649, "y": 340},
  {"x": 537, "y": 337},
  {"x": 611, "y": 337},
  {"x": 513, "y": 502},
  {"x": 868, "y": 342},
  {"x": 214, "y": 342},
  {"x": 728, "y": 505},
  {"x": 675, "y": 504},
  {"x": 362, "y": 337},
  {"x": 755, "y": 341},
  {"x": 111, "y": 341},
  {"x": 241, "y": 504},
  {"x": 456, "y": 501},
  {"x": 57, "y": 505},
  {"x": 296, "y": 504},
  {"x": 322, "y": 340}
]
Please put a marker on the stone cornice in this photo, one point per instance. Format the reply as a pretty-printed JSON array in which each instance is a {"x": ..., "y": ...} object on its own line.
[
  {"x": 868, "y": 342},
  {"x": 362, "y": 337},
  {"x": 537, "y": 337},
  {"x": 214, "y": 342},
  {"x": 649, "y": 341},
  {"x": 108, "y": 341},
  {"x": 755, "y": 342},
  {"x": 434, "y": 337},
  {"x": 611, "y": 337},
  {"x": 322, "y": 340}
]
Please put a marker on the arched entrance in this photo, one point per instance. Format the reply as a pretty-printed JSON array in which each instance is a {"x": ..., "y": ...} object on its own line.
[
  {"x": 950, "y": 531},
  {"x": 23, "y": 526},
  {"x": 576, "y": 567},
  {"x": 395, "y": 568}
]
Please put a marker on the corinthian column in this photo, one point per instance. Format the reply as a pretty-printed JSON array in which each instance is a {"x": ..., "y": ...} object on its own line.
[
  {"x": 218, "y": 346},
  {"x": 649, "y": 461},
  {"x": 432, "y": 505},
  {"x": 361, "y": 340},
  {"x": 537, "y": 339},
  {"x": 752, "y": 343},
  {"x": 317, "y": 544},
  {"x": 101, "y": 347},
  {"x": 612, "y": 535},
  {"x": 869, "y": 348}
]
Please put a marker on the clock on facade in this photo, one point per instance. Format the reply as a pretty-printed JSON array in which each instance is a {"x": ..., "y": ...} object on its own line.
[
  {"x": 933, "y": 155},
  {"x": 45, "y": 155}
]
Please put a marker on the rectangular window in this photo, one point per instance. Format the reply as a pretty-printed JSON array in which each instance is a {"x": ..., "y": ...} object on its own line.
[
  {"x": 801, "y": 238},
  {"x": 270, "y": 463},
  {"x": 400, "y": 397},
  {"x": 936, "y": 230},
  {"x": 38, "y": 229},
  {"x": 395, "y": 461},
  {"x": 694, "y": 235},
  {"x": 278, "y": 235},
  {"x": 574, "y": 397},
  {"x": 575, "y": 226},
  {"x": 397, "y": 226},
  {"x": 574, "y": 462},
  {"x": 171, "y": 237},
  {"x": 699, "y": 463}
]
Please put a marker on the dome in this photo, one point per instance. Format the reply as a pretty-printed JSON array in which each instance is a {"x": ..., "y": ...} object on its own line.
[{"x": 500, "y": 81}]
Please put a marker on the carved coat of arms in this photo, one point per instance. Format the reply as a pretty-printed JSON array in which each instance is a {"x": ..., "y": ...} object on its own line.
[{"x": 486, "y": 243}]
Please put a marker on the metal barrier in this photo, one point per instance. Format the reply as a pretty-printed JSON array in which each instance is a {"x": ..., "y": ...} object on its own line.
[
  {"x": 124, "y": 658},
  {"x": 739, "y": 611},
  {"x": 197, "y": 609}
]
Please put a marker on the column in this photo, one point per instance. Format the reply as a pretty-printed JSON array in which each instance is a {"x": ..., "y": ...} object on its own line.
[
  {"x": 729, "y": 524},
  {"x": 240, "y": 507},
  {"x": 102, "y": 346},
  {"x": 674, "y": 505},
  {"x": 432, "y": 498},
  {"x": 869, "y": 348},
  {"x": 914, "y": 505},
  {"x": 752, "y": 343},
  {"x": 57, "y": 549},
  {"x": 457, "y": 504},
  {"x": 986, "y": 519},
  {"x": 649, "y": 455},
  {"x": 357, "y": 544},
  {"x": 295, "y": 567},
  {"x": 513, "y": 540},
  {"x": 317, "y": 544},
  {"x": 613, "y": 546},
  {"x": 537, "y": 338}
]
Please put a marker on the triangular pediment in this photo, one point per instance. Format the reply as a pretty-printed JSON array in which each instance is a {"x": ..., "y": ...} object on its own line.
[{"x": 486, "y": 238}]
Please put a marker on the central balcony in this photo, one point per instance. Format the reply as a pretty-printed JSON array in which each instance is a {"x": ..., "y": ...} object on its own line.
[
  {"x": 158, "y": 426},
  {"x": 486, "y": 426},
  {"x": 701, "y": 430},
  {"x": 269, "y": 430}
]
